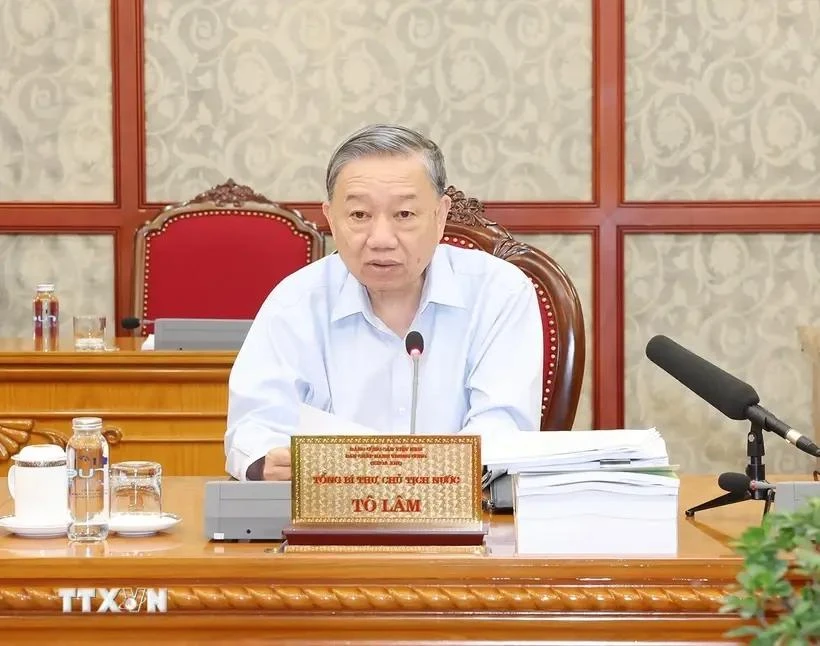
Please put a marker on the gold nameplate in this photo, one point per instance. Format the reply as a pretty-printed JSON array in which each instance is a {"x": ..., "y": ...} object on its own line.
[{"x": 394, "y": 480}]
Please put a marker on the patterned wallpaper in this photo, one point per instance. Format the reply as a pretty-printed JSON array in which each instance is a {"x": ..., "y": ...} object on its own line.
[
  {"x": 263, "y": 90},
  {"x": 722, "y": 99},
  {"x": 55, "y": 111},
  {"x": 737, "y": 301},
  {"x": 81, "y": 267},
  {"x": 723, "y": 102}
]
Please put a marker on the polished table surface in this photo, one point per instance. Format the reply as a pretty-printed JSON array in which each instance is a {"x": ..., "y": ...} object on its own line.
[
  {"x": 238, "y": 592},
  {"x": 169, "y": 406}
]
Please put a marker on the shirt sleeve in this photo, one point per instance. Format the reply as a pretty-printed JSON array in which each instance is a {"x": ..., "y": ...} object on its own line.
[
  {"x": 506, "y": 379},
  {"x": 265, "y": 389}
]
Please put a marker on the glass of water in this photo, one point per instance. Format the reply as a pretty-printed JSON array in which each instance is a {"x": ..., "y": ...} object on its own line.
[
  {"x": 89, "y": 333},
  {"x": 136, "y": 489}
]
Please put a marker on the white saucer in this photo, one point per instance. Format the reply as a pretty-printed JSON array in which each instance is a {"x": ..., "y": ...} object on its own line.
[
  {"x": 31, "y": 529},
  {"x": 139, "y": 525}
]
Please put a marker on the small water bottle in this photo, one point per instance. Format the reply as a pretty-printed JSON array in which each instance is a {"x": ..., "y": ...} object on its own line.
[
  {"x": 87, "y": 468},
  {"x": 46, "y": 317}
]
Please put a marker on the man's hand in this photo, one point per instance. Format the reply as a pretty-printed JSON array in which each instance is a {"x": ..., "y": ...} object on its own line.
[{"x": 277, "y": 464}]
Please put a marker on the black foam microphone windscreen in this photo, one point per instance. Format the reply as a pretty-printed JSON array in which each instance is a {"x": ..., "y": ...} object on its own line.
[
  {"x": 414, "y": 341},
  {"x": 734, "y": 482},
  {"x": 728, "y": 394},
  {"x": 130, "y": 323}
]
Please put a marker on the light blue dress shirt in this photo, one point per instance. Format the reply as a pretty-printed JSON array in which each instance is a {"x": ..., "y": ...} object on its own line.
[{"x": 317, "y": 341}]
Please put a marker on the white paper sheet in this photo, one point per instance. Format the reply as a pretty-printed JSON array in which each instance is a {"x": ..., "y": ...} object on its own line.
[
  {"x": 314, "y": 421},
  {"x": 554, "y": 450}
]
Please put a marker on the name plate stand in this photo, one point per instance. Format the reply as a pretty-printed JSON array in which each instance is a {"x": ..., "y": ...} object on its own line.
[{"x": 394, "y": 490}]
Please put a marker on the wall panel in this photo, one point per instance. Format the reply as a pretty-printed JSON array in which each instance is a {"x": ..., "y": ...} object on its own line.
[
  {"x": 569, "y": 104},
  {"x": 80, "y": 265},
  {"x": 735, "y": 300},
  {"x": 722, "y": 100},
  {"x": 56, "y": 142},
  {"x": 262, "y": 91}
]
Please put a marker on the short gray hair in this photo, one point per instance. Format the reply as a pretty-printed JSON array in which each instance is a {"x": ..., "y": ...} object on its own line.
[{"x": 382, "y": 139}]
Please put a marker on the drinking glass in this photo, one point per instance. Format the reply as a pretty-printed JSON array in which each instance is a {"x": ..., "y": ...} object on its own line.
[
  {"x": 136, "y": 489},
  {"x": 89, "y": 333}
]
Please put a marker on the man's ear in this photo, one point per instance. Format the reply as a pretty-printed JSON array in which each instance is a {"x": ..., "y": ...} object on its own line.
[
  {"x": 443, "y": 209},
  {"x": 326, "y": 213}
]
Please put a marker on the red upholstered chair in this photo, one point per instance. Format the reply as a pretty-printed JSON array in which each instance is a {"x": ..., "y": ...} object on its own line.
[
  {"x": 564, "y": 344},
  {"x": 219, "y": 255}
]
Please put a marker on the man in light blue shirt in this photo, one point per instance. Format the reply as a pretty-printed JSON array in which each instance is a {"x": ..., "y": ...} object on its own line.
[{"x": 332, "y": 335}]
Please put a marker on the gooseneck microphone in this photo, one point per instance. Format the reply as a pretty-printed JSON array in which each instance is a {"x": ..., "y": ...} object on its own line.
[
  {"x": 414, "y": 344},
  {"x": 734, "y": 398},
  {"x": 132, "y": 322}
]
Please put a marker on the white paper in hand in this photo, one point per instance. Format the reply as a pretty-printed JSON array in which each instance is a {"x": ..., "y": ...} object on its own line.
[{"x": 314, "y": 421}]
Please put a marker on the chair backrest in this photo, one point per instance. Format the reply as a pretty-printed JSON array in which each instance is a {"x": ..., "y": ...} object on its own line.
[
  {"x": 219, "y": 255},
  {"x": 561, "y": 315}
]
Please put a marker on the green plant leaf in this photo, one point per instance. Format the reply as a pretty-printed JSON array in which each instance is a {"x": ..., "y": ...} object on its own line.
[
  {"x": 782, "y": 545},
  {"x": 807, "y": 560},
  {"x": 782, "y": 588},
  {"x": 744, "y": 631},
  {"x": 767, "y": 637},
  {"x": 811, "y": 628}
]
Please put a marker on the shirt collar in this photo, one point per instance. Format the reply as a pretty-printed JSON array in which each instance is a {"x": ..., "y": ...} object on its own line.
[{"x": 440, "y": 287}]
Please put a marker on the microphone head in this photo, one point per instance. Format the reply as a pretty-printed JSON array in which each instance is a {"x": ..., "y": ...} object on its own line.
[
  {"x": 734, "y": 482},
  {"x": 414, "y": 343},
  {"x": 728, "y": 394},
  {"x": 130, "y": 323}
]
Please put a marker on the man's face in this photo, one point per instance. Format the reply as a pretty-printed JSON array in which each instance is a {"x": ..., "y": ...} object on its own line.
[{"x": 387, "y": 219}]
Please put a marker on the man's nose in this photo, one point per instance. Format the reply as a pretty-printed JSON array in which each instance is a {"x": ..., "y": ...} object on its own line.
[{"x": 382, "y": 234}]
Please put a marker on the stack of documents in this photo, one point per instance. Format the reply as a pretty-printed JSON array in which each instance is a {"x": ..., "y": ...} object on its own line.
[{"x": 590, "y": 493}]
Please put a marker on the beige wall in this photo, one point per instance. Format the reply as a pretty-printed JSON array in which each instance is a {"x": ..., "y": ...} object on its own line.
[
  {"x": 80, "y": 266},
  {"x": 735, "y": 300},
  {"x": 55, "y": 101},
  {"x": 504, "y": 87},
  {"x": 722, "y": 100},
  {"x": 721, "y": 103}
]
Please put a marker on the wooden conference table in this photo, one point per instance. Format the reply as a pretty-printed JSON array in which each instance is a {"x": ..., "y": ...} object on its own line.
[
  {"x": 245, "y": 592},
  {"x": 165, "y": 406}
]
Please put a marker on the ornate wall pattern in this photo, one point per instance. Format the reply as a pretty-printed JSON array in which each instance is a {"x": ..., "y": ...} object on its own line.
[
  {"x": 55, "y": 112},
  {"x": 269, "y": 88},
  {"x": 80, "y": 266},
  {"x": 722, "y": 100},
  {"x": 262, "y": 90},
  {"x": 735, "y": 300}
]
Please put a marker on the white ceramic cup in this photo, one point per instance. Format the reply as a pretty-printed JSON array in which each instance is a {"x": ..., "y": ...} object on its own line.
[{"x": 38, "y": 483}]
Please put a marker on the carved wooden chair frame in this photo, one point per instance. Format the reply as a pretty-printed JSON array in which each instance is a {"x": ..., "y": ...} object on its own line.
[{"x": 564, "y": 336}]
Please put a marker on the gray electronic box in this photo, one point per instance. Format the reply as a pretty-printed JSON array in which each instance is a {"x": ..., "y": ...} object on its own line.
[
  {"x": 200, "y": 334},
  {"x": 790, "y": 496},
  {"x": 245, "y": 510}
]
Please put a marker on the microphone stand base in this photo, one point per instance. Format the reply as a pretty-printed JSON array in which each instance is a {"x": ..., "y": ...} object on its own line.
[
  {"x": 731, "y": 499},
  {"x": 720, "y": 501},
  {"x": 755, "y": 469}
]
